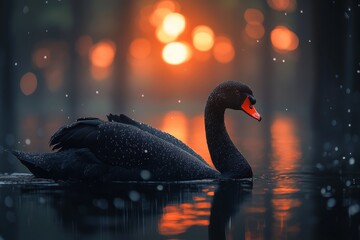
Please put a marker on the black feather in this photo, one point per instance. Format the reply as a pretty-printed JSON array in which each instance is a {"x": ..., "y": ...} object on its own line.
[{"x": 77, "y": 135}]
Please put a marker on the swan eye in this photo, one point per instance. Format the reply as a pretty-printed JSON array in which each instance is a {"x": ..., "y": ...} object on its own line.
[{"x": 237, "y": 92}]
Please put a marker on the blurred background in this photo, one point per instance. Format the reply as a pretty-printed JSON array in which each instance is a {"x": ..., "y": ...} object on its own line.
[{"x": 157, "y": 61}]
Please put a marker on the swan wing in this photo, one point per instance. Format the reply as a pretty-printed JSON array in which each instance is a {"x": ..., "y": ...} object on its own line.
[
  {"x": 122, "y": 118},
  {"x": 80, "y": 134}
]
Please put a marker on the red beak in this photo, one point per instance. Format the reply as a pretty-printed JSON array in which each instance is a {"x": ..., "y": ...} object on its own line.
[{"x": 250, "y": 109}]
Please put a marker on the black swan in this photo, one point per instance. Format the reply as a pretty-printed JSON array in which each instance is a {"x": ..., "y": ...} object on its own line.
[{"x": 122, "y": 149}]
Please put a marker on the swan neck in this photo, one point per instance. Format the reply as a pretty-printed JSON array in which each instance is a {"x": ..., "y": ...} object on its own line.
[{"x": 224, "y": 154}]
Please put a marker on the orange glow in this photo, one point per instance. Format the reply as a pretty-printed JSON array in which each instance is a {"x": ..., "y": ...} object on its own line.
[
  {"x": 253, "y": 15},
  {"x": 223, "y": 50},
  {"x": 100, "y": 73},
  {"x": 255, "y": 30},
  {"x": 285, "y": 144},
  {"x": 284, "y": 39},
  {"x": 157, "y": 17},
  {"x": 162, "y": 36},
  {"x": 41, "y": 57},
  {"x": 174, "y": 24},
  {"x": 282, "y": 5},
  {"x": 28, "y": 83},
  {"x": 171, "y": 5},
  {"x": 176, "y": 53},
  {"x": 102, "y": 54},
  {"x": 83, "y": 45},
  {"x": 203, "y": 38},
  {"x": 283, "y": 206},
  {"x": 176, "y": 124},
  {"x": 198, "y": 139},
  {"x": 176, "y": 219},
  {"x": 140, "y": 48}
]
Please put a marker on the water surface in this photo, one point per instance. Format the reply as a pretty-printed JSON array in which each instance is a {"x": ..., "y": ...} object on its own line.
[{"x": 274, "y": 206}]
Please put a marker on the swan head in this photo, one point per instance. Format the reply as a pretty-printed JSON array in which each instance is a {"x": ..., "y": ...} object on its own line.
[{"x": 236, "y": 95}]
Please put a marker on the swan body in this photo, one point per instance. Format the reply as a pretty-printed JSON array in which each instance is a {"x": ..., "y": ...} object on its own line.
[{"x": 122, "y": 149}]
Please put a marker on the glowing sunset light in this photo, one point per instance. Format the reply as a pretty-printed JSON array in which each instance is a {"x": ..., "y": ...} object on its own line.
[
  {"x": 28, "y": 83},
  {"x": 102, "y": 54},
  {"x": 284, "y": 39},
  {"x": 176, "y": 53},
  {"x": 140, "y": 48},
  {"x": 203, "y": 38},
  {"x": 223, "y": 50},
  {"x": 174, "y": 24},
  {"x": 162, "y": 36}
]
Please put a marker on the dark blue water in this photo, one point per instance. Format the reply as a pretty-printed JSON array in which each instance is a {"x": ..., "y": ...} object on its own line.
[{"x": 274, "y": 206}]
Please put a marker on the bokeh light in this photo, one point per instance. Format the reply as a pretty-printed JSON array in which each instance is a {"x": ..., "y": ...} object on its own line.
[
  {"x": 174, "y": 24},
  {"x": 284, "y": 39},
  {"x": 254, "y": 23},
  {"x": 162, "y": 36},
  {"x": 102, "y": 54},
  {"x": 157, "y": 17},
  {"x": 203, "y": 38},
  {"x": 28, "y": 83},
  {"x": 41, "y": 57},
  {"x": 253, "y": 15},
  {"x": 223, "y": 50},
  {"x": 282, "y": 5},
  {"x": 176, "y": 53},
  {"x": 140, "y": 48},
  {"x": 255, "y": 30}
]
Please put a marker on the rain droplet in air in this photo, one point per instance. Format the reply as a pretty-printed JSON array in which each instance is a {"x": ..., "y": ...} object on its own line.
[
  {"x": 15, "y": 64},
  {"x": 274, "y": 59},
  {"x": 66, "y": 95},
  {"x": 27, "y": 141},
  {"x": 352, "y": 161},
  {"x": 97, "y": 92},
  {"x": 331, "y": 202},
  {"x": 134, "y": 196}
]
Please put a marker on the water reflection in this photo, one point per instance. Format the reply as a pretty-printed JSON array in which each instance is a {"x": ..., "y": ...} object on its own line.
[
  {"x": 130, "y": 210},
  {"x": 285, "y": 159}
]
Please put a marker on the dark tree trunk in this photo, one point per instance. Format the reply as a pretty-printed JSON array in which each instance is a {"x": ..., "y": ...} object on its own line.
[{"x": 7, "y": 84}]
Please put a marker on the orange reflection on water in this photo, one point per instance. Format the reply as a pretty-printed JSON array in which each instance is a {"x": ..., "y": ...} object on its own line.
[
  {"x": 285, "y": 144},
  {"x": 286, "y": 156},
  {"x": 177, "y": 218}
]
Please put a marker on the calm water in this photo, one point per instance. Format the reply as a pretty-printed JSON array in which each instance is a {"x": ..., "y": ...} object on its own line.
[
  {"x": 288, "y": 199},
  {"x": 275, "y": 206}
]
